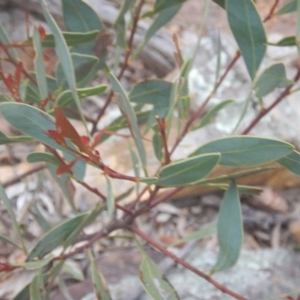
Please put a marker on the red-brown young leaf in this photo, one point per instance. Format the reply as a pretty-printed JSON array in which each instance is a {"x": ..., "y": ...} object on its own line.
[
  {"x": 85, "y": 140},
  {"x": 12, "y": 87},
  {"x": 42, "y": 32},
  {"x": 46, "y": 57},
  {"x": 66, "y": 168},
  {"x": 57, "y": 137},
  {"x": 4, "y": 267},
  {"x": 18, "y": 73},
  {"x": 97, "y": 138},
  {"x": 289, "y": 298},
  {"x": 64, "y": 127}
]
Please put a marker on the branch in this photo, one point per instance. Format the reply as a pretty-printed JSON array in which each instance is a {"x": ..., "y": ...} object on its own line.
[{"x": 219, "y": 286}]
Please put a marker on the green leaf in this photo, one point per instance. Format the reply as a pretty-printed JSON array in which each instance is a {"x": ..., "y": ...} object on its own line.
[
  {"x": 24, "y": 294},
  {"x": 153, "y": 280},
  {"x": 208, "y": 117},
  {"x": 288, "y": 8},
  {"x": 110, "y": 201},
  {"x": 221, "y": 3},
  {"x": 4, "y": 139},
  {"x": 187, "y": 171},
  {"x": 36, "y": 123},
  {"x": 35, "y": 265},
  {"x": 164, "y": 4},
  {"x": 12, "y": 216},
  {"x": 157, "y": 145},
  {"x": 245, "y": 189},
  {"x": 39, "y": 218},
  {"x": 243, "y": 151},
  {"x": 74, "y": 269},
  {"x": 64, "y": 57},
  {"x": 80, "y": 17},
  {"x": 291, "y": 162},
  {"x": 6, "y": 41},
  {"x": 71, "y": 38},
  {"x": 128, "y": 113},
  {"x": 272, "y": 77},
  {"x": 156, "y": 92},
  {"x": 120, "y": 24},
  {"x": 230, "y": 230},
  {"x": 198, "y": 235},
  {"x": 65, "y": 99},
  {"x": 9, "y": 241},
  {"x": 35, "y": 286},
  {"x": 100, "y": 286},
  {"x": 286, "y": 41},
  {"x": 162, "y": 19},
  {"x": 84, "y": 68},
  {"x": 55, "y": 237},
  {"x": 39, "y": 65},
  {"x": 65, "y": 185},
  {"x": 249, "y": 33},
  {"x": 89, "y": 217},
  {"x": 42, "y": 157},
  {"x": 121, "y": 122}
]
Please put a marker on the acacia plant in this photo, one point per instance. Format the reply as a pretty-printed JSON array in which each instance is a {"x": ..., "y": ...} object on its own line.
[{"x": 40, "y": 106}]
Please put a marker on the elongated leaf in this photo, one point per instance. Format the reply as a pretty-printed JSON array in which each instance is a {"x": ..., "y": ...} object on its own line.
[
  {"x": 65, "y": 185},
  {"x": 128, "y": 113},
  {"x": 4, "y": 139},
  {"x": 286, "y": 41},
  {"x": 291, "y": 162},
  {"x": 100, "y": 286},
  {"x": 155, "y": 92},
  {"x": 35, "y": 265},
  {"x": 64, "y": 57},
  {"x": 288, "y": 8},
  {"x": 110, "y": 201},
  {"x": 6, "y": 41},
  {"x": 120, "y": 24},
  {"x": 230, "y": 230},
  {"x": 121, "y": 122},
  {"x": 203, "y": 233},
  {"x": 220, "y": 2},
  {"x": 71, "y": 38},
  {"x": 42, "y": 157},
  {"x": 12, "y": 216},
  {"x": 39, "y": 65},
  {"x": 65, "y": 99},
  {"x": 208, "y": 118},
  {"x": 55, "y": 237},
  {"x": 40, "y": 219},
  {"x": 162, "y": 19},
  {"x": 187, "y": 171},
  {"x": 245, "y": 189},
  {"x": 164, "y": 4},
  {"x": 241, "y": 151},
  {"x": 153, "y": 281},
  {"x": 36, "y": 123},
  {"x": 84, "y": 69},
  {"x": 248, "y": 30},
  {"x": 9, "y": 241},
  {"x": 88, "y": 218},
  {"x": 35, "y": 286},
  {"x": 24, "y": 294},
  {"x": 272, "y": 77},
  {"x": 80, "y": 17}
]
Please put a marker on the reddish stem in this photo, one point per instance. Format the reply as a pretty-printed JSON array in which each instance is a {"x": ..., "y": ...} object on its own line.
[
  {"x": 219, "y": 286},
  {"x": 124, "y": 66},
  {"x": 263, "y": 112}
]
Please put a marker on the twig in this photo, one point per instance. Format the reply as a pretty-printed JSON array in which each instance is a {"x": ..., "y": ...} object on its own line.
[
  {"x": 20, "y": 177},
  {"x": 124, "y": 66},
  {"x": 219, "y": 286},
  {"x": 262, "y": 113},
  {"x": 271, "y": 12},
  {"x": 98, "y": 193},
  {"x": 200, "y": 110}
]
